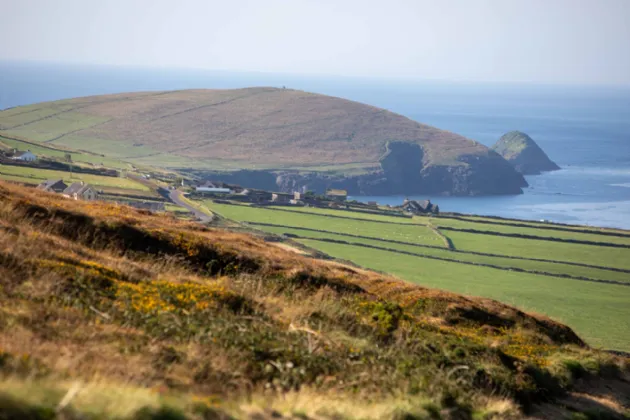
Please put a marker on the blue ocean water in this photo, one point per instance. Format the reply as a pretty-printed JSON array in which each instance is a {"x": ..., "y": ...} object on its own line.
[{"x": 586, "y": 130}]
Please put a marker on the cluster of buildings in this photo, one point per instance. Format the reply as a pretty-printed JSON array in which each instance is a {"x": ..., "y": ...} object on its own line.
[
  {"x": 237, "y": 193},
  {"x": 76, "y": 190},
  {"x": 83, "y": 191}
]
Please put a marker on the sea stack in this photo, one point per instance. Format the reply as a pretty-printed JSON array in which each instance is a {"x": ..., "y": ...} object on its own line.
[{"x": 524, "y": 154}]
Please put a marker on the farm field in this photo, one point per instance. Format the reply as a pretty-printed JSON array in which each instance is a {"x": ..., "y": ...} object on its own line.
[
  {"x": 47, "y": 150},
  {"x": 412, "y": 233},
  {"x": 536, "y": 231},
  {"x": 35, "y": 176},
  {"x": 586, "y": 286}
]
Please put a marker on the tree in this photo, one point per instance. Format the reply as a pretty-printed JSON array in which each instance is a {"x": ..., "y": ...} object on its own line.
[{"x": 67, "y": 157}]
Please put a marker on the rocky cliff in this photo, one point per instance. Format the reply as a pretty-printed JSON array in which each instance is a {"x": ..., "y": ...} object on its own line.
[
  {"x": 403, "y": 170},
  {"x": 524, "y": 154}
]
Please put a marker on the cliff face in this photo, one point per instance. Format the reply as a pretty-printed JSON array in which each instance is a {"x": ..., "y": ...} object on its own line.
[
  {"x": 402, "y": 172},
  {"x": 524, "y": 154}
]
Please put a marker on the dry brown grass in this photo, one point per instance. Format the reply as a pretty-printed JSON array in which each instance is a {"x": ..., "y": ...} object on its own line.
[
  {"x": 254, "y": 126},
  {"x": 103, "y": 294}
]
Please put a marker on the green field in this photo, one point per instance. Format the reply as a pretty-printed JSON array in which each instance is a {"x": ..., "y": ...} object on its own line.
[
  {"x": 46, "y": 150},
  {"x": 36, "y": 176},
  {"x": 412, "y": 233},
  {"x": 572, "y": 285},
  {"x": 535, "y": 231}
]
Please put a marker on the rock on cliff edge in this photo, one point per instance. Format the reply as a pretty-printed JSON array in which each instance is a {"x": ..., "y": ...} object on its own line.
[{"x": 524, "y": 154}]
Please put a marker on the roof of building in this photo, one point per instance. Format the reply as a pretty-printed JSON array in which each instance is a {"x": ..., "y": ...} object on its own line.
[
  {"x": 77, "y": 188},
  {"x": 337, "y": 192},
  {"x": 49, "y": 183},
  {"x": 20, "y": 154},
  {"x": 423, "y": 205}
]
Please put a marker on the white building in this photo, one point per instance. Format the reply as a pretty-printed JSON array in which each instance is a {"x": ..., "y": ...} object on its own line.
[
  {"x": 213, "y": 190},
  {"x": 24, "y": 156}
]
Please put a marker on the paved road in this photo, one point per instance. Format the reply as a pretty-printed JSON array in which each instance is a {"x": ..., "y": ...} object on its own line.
[{"x": 176, "y": 197}]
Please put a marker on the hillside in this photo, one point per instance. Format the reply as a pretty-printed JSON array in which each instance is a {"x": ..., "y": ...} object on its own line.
[
  {"x": 108, "y": 312},
  {"x": 339, "y": 142},
  {"x": 524, "y": 154}
]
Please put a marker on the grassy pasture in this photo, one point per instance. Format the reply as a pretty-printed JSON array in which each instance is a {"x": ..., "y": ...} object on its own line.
[
  {"x": 597, "y": 311},
  {"x": 412, "y": 233},
  {"x": 504, "y": 262},
  {"x": 557, "y": 251},
  {"x": 52, "y": 152},
  {"x": 35, "y": 176},
  {"x": 546, "y": 233},
  {"x": 542, "y": 225}
]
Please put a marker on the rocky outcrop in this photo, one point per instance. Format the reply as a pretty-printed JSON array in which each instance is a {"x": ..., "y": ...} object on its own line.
[
  {"x": 524, "y": 154},
  {"x": 403, "y": 171}
]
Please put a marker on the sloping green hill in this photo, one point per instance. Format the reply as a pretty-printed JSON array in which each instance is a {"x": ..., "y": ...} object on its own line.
[{"x": 267, "y": 128}]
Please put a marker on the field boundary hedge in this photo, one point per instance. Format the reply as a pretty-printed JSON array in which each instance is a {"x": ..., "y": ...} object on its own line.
[
  {"x": 483, "y": 254},
  {"x": 271, "y": 208},
  {"x": 433, "y": 257},
  {"x": 534, "y": 237},
  {"x": 519, "y": 223}
]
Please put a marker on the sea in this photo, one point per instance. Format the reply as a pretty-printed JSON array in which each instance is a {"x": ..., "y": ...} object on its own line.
[{"x": 584, "y": 129}]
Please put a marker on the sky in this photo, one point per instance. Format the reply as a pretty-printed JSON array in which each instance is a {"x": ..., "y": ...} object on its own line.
[{"x": 536, "y": 41}]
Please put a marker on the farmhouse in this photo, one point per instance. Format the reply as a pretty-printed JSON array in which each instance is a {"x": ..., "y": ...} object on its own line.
[
  {"x": 53, "y": 185},
  {"x": 211, "y": 187},
  {"x": 419, "y": 207},
  {"x": 80, "y": 191},
  {"x": 27, "y": 156},
  {"x": 336, "y": 195}
]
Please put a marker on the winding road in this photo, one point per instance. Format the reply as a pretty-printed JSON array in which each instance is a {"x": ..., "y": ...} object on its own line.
[{"x": 176, "y": 197}]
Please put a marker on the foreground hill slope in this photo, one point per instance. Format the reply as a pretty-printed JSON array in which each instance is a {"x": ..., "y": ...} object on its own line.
[
  {"x": 270, "y": 128},
  {"x": 109, "y": 312}
]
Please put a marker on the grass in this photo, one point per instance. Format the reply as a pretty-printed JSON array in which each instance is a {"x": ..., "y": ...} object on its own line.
[
  {"x": 156, "y": 127},
  {"x": 411, "y": 233},
  {"x": 558, "y": 251},
  {"x": 588, "y": 308},
  {"x": 108, "y": 312},
  {"x": 47, "y": 129},
  {"x": 355, "y": 215},
  {"x": 542, "y": 225},
  {"x": 596, "y": 310},
  {"x": 35, "y": 176},
  {"x": 546, "y": 233},
  {"x": 49, "y": 151},
  {"x": 504, "y": 262}
]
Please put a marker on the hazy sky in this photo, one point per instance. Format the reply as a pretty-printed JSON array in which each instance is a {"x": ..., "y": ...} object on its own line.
[{"x": 570, "y": 41}]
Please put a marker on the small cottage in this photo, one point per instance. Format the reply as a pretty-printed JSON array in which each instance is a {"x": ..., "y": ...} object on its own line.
[
  {"x": 213, "y": 188},
  {"x": 419, "y": 207},
  {"x": 80, "y": 191},
  {"x": 53, "y": 185},
  {"x": 27, "y": 156}
]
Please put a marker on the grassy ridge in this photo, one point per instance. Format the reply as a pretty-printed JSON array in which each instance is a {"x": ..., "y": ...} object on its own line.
[
  {"x": 244, "y": 125},
  {"x": 598, "y": 311},
  {"x": 107, "y": 312}
]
